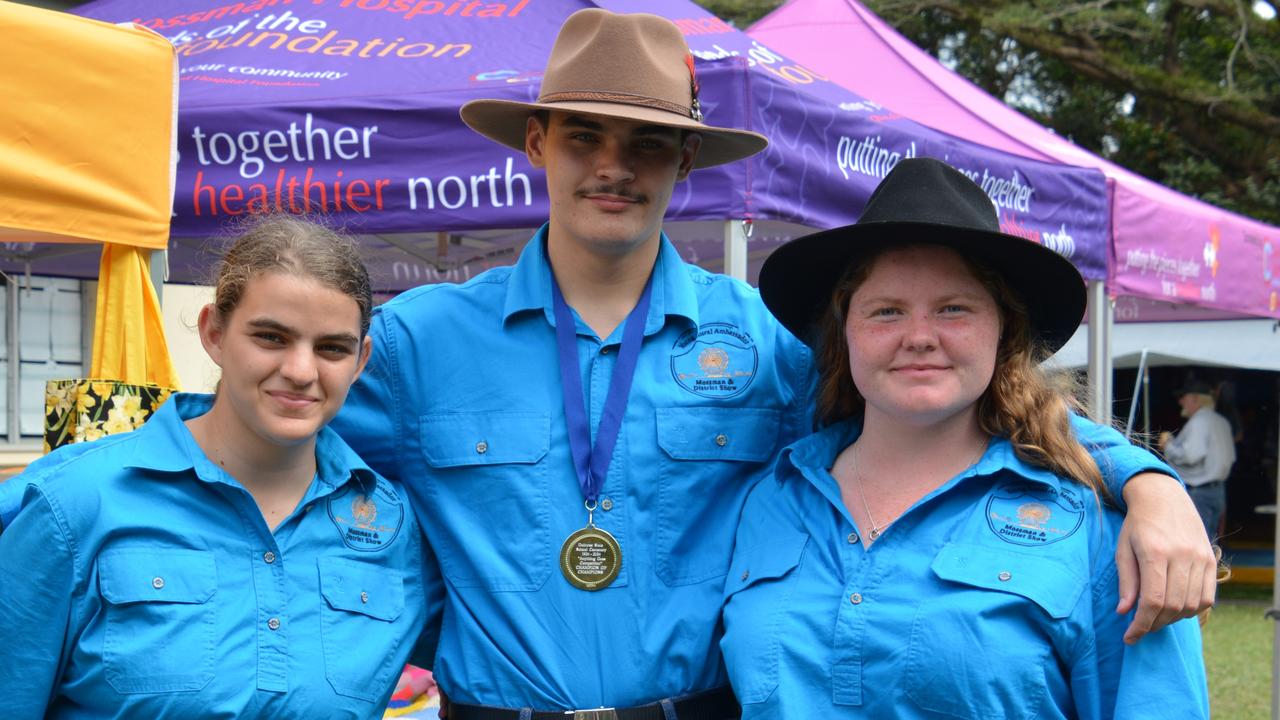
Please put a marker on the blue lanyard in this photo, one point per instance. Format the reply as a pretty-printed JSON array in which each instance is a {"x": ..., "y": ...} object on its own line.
[{"x": 592, "y": 464}]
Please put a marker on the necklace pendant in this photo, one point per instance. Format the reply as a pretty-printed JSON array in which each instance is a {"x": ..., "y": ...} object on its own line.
[{"x": 875, "y": 533}]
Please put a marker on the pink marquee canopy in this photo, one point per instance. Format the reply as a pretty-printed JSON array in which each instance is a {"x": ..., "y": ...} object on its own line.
[{"x": 1164, "y": 245}]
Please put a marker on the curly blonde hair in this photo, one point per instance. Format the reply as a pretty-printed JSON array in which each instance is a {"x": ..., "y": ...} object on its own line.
[{"x": 1025, "y": 403}]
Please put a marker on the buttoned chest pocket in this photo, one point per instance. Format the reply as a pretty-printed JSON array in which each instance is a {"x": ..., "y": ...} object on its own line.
[
  {"x": 710, "y": 458},
  {"x": 362, "y": 602},
  {"x": 759, "y": 585},
  {"x": 984, "y": 647},
  {"x": 159, "y": 618},
  {"x": 487, "y": 478}
]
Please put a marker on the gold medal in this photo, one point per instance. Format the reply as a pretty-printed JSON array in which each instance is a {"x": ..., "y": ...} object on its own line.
[{"x": 590, "y": 558}]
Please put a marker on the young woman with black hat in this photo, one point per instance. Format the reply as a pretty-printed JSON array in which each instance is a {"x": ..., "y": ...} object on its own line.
[{"x": 942, "y": 546}]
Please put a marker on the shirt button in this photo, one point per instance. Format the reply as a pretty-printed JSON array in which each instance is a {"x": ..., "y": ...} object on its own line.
[
  {"x": 1005, "y": 576},
  {"x": 853, "y": 538},
  {"x": 606, "y": 504},
  {"x": 604, "y": 351},
  {"x": 482, "y": 447},
  {"x": 856, "y": 598},
  {"x": 364, "y": 597},
  {"x": 273, "y": 623},
  {"x": 268, "y": 557},
  {"x": 746, "y": 574},
  {"x": 157, "y": 582},
  {"x": 722, "y": 440}
]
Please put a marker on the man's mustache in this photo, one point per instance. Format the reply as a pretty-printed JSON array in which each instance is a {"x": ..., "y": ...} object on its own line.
[{"x": 620, "y": 191}]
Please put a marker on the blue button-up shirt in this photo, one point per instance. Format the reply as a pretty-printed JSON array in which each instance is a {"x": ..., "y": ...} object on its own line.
[
  {"x": 140, "y": 580},
  {"x": 462, "y": 402},
  {"x": 992, "y": 596}
]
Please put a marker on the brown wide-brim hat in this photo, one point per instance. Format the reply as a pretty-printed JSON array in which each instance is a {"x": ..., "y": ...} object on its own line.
[
  {"x": 923, "y": 200},
  {"x": 635, "y": 67}
]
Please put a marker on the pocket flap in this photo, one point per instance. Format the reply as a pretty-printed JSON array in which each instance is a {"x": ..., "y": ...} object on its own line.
[
  {"x": 157, "y": 575},
  {"x": 487, "y": 438},
  {"x": 718, "y": 433},
  {"x": 362, "y": 587},
  {"x": 768, "y": 560},
  {"x": 1047, "y": 581}
]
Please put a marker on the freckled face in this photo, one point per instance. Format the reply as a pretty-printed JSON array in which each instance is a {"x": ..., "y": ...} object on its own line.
[
  {"x": 609, "y": 180},
  {"x": 289, "y": 353},
  {"x": 923, "y": 334}
]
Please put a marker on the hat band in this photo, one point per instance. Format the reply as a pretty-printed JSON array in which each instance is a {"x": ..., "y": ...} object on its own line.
[{"x": 619, "y": 99}]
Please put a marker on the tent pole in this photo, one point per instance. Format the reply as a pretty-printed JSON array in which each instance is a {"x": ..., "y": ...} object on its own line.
[
  {"x": 1274, "y": 615},
  {"x": 159, "y": 272},
  {"x": 14, "y": 408},
  {"x": 735, "y": 249},
  {"x": 1100, "y": 311},
  {"x": 1146, "y": 403},
  {"x": 1137, "y": 385}
]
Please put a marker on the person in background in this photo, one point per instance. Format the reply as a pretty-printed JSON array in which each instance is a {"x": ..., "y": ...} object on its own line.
[
  {"x": 232, "y": 557},
  {"x": 1202, "y": 452},
  {"x": 941, "y": 546},
  {"x": 582, "y": 428}
]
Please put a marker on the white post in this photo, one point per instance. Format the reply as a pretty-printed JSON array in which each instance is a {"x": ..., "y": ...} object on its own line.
[
  {"x": 1100, "y": 313},
  {"x": 1274, "y": 615},
  {"x": 735, "y": 250},
  {"x": 159, "y": 272}
]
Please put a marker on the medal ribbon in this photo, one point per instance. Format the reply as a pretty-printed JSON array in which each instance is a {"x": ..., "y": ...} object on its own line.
[{"x": 592, "y": 464}]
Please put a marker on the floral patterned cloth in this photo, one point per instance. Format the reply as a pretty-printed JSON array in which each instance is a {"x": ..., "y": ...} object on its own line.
[{"x": 78, "y": 410}]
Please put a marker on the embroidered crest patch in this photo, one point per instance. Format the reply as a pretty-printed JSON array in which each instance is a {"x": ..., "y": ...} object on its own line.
[
  {"x": 716, "y": 360},
  {"x": 1025, "y": 513},
  {"x": 367, "y": 523}
]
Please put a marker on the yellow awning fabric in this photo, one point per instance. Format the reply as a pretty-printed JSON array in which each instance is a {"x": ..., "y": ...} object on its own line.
[
  {"x": 87, "y": 113},
  {"x": 128, "y": 340}
]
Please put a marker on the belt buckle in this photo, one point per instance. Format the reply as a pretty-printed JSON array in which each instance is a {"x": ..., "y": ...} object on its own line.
[{"x": 596, "y": 714}]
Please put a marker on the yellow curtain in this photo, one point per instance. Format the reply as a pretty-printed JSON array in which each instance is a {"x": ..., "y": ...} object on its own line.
[{"x": 128, "y": 338}]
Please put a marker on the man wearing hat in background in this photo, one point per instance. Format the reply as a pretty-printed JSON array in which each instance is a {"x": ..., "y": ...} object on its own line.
[
  {"x": 579, "y": 431},
  {"x": 1203, "y": 452}
]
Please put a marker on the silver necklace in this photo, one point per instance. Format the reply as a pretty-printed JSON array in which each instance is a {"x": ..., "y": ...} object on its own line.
[
  {"x": 857, "y": 478},
  {"x": 877, "y": 529}
]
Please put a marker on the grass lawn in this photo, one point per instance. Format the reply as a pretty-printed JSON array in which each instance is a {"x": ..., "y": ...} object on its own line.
[{"x": 1237, "y": 643}]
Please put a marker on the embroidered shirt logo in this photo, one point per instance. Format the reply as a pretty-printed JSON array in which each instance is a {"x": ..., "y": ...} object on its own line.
[
  {"x": 716, "y": 360},
  {"x": 356, "y": 516},
  {"x": 1024, "y": 513}
]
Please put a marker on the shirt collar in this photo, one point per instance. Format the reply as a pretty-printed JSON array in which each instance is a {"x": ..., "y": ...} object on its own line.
[
  {"x": 529, "y": 288},
  {"x": 171, "y": 448},
  {"x": 820, "y": 449}
]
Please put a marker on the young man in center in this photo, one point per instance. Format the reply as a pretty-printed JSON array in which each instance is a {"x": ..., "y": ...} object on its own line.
[{"x": 582, "y": 428}]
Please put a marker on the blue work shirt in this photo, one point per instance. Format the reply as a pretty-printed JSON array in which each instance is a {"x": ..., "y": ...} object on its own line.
[
  {"x": 462, "y": 402},
  {"x": 140, "y": 580},
  {"x": 992, "y": 596}
]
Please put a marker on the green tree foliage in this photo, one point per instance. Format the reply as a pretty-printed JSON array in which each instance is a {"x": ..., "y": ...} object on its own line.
[
  {"x": 739, "y": 13},
  {"x": 1185, "y": 92}
]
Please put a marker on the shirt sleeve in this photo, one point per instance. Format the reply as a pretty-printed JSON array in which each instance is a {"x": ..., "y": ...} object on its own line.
[
  {"x": 10, "y": 500},
  {"x": 370, "y": 420},
  {"x": 37, "y": 574},
  {"x": 1117, "y": 458},
  {"x": 424, "y": 651},
  {"x": 1190, "y": 446},
  {"x": 1161, "y": 676}
]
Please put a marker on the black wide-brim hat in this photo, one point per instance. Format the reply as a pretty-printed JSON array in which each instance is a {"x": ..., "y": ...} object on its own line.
[{"x": 923, "y": 200}]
